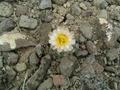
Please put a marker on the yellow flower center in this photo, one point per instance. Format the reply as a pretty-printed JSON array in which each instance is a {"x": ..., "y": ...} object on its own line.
[{"x": 61, "y": 39}]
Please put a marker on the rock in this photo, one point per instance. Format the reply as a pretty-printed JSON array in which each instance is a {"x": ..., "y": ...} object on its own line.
[
  {"x": 36, "y": 79},
  {"x": 33, "y": 59},
  {"x": 45, "y": 4},
  {"x": 10, "y": 74},
  {"x": 12, "y": 58},
  {"x": 83, "y": 6},
  {"x": 1, "y": 61},
  {"x": 69, "y": 17},
  {"x": 7, "y": 25},
  {"x": 91, "y": 67},
  {"x": 103, "y": 14},
  {"x": 59, "y": 2},
  {"x": 80, "y": 53},
  {"x": 112, "y": 54},
  {"x": 10, "y": 0},
  {"x": 86, "y": 30},
  {"x": 81, "y": 38},
  {"x": 6, "y": 9},
  {"x": 114, "y": 12},
  {"x": 13, "y": 40},
  {"x": 20, "y": 67},
  {"x": 39, "y": 50},
  {"x": 46, "y": 16},
  {"x": 67, "y": 65},
  {"x": 91, "y": 47},
  {"x": 47, "y": 84},
  {"x": 110, "y": 69},
  {"x": 75, "y": 9},
  {"x": 21, "y": 10},
  {"x": 27, "y": 22},
  {"x": 42, "y": 31},
  {"x": 58, "y": 80},
  {"x": 102, "y": 4}
]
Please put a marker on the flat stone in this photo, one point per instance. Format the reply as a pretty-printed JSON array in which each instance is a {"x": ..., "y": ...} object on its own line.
[
  {"x": 114, "y": 12},
  {"x": 83, "y": 6},
  {"x": 58, "y": 80},
  {"x": 12, "y": 58},
  {"x": 86, "y": 30},
  {"x": 45, "y": 4},
  {"x": 81, "y": 53},
  {"x": 67, "y": 65},
  {"x": 91, "y": 47},
  {"x": 6, "y": 9},
  {"x": 47, "y": 84},
  {"x": 13, "y": 40},
  {"x": 20, "y": 67},
  {"x": 27, "y": 22},
  {"x": 21, "y": 10},
  {"x": 112, "y": 54},
  {"x": 7, "y": 25},
  {"x": 59, "y": 2},
  {"x": 75, "y": 9},
  {"x": 33, "y": 59},
  {"x": 103, "y": 14},
  {"x": 102, "y": 4}
]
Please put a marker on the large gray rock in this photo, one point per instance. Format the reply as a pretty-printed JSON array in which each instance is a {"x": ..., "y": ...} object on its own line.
[
  {"x": 12, "y": 58},
  {"x": 112, "y": 54},
  {"x": 86, "y": 30},
  {"x": 103, "y": 14},
  {"x": 45, "y": 4},
  {"x": 27, "y": 22},
  {"x": 21, "y": 10},
  {"x": 14, "y": 40},
  {"x": 75, "y": 9},
  {"x": 67, "y": 65},
  {"x": 7, "y": 25},
  {"x": 6, "y": 9},
  {"x": 47, "y": 84},
  {"x": 114, "y": 12},
  {"x": 36, "y": 79}
]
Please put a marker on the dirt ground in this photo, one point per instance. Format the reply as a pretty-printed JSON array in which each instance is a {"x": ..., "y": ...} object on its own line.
[{"x": 27, "y": 61}]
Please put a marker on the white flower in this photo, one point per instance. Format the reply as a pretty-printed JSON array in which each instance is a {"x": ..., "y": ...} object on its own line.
[
  {"x": 103, "y": 21},
  {"x": 62, "y": 39}
]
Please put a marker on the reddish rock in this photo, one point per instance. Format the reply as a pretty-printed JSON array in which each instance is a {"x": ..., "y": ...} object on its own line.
[{"x": 58, "y": 80}]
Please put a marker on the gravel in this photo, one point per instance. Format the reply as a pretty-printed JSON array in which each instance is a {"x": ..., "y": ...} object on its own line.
[{"x": 27, "y": 60}]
